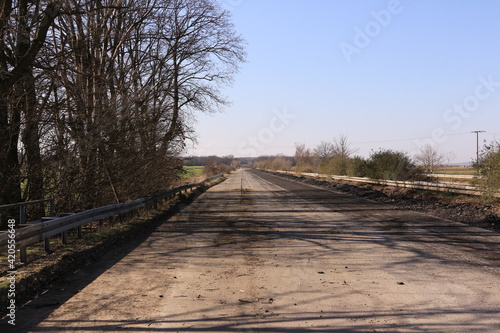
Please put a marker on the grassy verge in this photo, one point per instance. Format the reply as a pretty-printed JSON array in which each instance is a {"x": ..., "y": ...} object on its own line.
[
  {"x": 456, "y": 171},
  {"x": 192, "y": 172}
]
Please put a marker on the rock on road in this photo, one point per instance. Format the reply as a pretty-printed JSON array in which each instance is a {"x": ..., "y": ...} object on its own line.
[{"x": 258, "y": 253}]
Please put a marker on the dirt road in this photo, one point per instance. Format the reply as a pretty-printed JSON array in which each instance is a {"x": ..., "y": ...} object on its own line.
[{"x": 258, "y": 253}]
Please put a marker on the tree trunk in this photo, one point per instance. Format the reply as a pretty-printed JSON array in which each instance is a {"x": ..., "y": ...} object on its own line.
[
  {"x": 31, "y": 142},
  {"x": 10, "y": 191}
]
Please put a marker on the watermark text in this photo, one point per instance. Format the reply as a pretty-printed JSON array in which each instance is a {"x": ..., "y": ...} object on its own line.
[
  {"x": 455, "y": 116},
  {"x": 11, "y": 274},
  {"x": 266, "y": 135},
  {"x": 373, "y": 28}
]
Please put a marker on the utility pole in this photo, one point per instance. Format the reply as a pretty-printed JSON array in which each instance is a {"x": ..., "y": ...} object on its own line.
[{"x": 477, "y": 146}]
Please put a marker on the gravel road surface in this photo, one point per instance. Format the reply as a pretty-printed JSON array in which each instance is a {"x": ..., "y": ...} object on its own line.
[{"x": 259, "y": 253}]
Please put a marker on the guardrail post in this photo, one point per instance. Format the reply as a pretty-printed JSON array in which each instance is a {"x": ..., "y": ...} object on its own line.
[
  {"x": 47, "y": 244},
  {"x": 23, "y": 253},
  {"x": 64, "y": 237},
  {"x": 79, "y": 232},
  {"x": 22, "y": 214},
  {"x": 51, "y": 207},
  {"x": 101, "y": 223}
]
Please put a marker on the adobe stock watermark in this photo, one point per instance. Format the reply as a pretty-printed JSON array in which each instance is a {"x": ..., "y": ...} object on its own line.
[
  {"x": 455, "y": 116},
  {"x": 364, "y": 36},
  {"x": 11, "y": 273},
  {"x": 254, "y": 144},
  {"x": 234, "y": 3}
]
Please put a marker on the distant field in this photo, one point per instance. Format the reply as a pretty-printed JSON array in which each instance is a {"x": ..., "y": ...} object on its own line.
[
  {"x": 192, "y": 171},
  {"x": 456, "y": 171}
]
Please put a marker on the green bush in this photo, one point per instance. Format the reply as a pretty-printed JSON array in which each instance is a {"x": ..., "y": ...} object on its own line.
[
  {"x": 335, "y": 166},
  {"x": 489, "y": 168},
  {"x": 390, "y": 165},
  {"x": 340, "y": 166},
  {"x": 356, "y": 167},
  {"x": 274, "y": 163}
]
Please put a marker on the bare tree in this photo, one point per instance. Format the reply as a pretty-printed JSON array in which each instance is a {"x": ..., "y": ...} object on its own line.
[
  {"x": 23, "y": 31},
  {"x": 448, "y": 157},
  {"x": 342, "y": 147},
  {"x": 429, "y": 157},
  {"x": 101, "y": 102},
  {"x": 203, "y": 52},
  {"x": 305, "y": 159},
  {"x": 325, "y": 150}
]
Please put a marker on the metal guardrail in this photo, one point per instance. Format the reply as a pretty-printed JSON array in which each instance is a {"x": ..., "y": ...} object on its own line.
[
  {"x": 30, "y": 233},
  {"x": 450, "y": 176},
  {"x": 421, "y": 185},
  {"x": 22, "y": 207}
]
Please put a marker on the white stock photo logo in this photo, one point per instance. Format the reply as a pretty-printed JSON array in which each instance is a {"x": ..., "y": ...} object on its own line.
[
  {"x": 234, "y": 3},
  {"x": 458, "y": 112},
  {"x": 372, "y": 29},
  {"x": 256, "y": 143},
  {"x": 471, "y": 103}
]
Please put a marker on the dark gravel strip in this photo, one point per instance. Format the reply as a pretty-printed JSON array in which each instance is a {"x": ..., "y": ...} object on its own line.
[{"x": 451, "y": 207}]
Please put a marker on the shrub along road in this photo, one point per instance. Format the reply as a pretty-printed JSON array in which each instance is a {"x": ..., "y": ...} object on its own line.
[{"x": 259, "y": 253}]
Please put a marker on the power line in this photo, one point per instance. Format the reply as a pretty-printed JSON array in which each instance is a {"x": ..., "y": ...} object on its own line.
[{"x": 407, "y": 139}]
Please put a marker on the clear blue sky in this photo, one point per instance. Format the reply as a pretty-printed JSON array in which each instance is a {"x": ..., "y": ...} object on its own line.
[{"x": 387, "y": 74}]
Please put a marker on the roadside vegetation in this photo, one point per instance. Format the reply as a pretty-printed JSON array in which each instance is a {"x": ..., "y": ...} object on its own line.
[
  {"x": 338, "y": 158},
  {"x": 489, "y": 170},
  {"x": 97, "y": 98},
  {"x": 212, "y": 165},
  {"x": 189, "y": 172}
]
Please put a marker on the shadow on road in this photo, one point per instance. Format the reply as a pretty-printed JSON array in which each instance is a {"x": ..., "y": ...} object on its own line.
[{"x": 295, "y": 226}]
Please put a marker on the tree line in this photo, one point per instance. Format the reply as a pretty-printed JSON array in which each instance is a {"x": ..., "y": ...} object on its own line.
[
  {"x": 97, "y": 98},
  {"x": 337, "y": 157}
]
